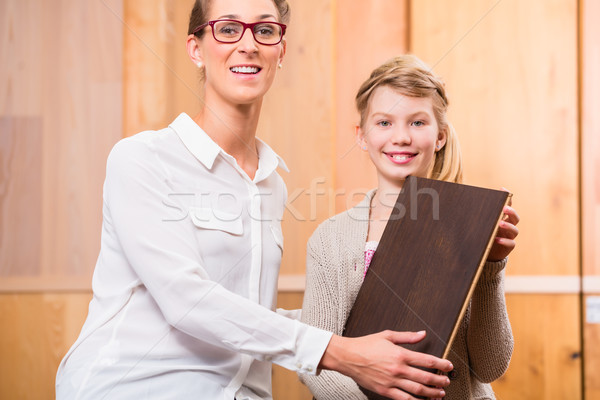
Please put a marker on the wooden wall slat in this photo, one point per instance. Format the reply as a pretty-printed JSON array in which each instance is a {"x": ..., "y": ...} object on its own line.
[
  {"x": 41, "y": 328},
  {"x": 160, "y": 81},
  {"x": 285, "y": 383},
  {"x": 297, "y": 122},
  {"x": 511, "y": 72},
  {"x": 590, "y": 183},
  {"x": 81, "y": 98},
  {"x": 73, "y": 90},
  {"x": 21, "y": 78},
  {"x": 365, "y": 37},
  {"x": 546, "y": 362},
  {"x": 20, "y": 196}
]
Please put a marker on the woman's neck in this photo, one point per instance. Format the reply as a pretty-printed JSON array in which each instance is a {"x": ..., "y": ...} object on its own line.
[{"x": 233, "y": 128}]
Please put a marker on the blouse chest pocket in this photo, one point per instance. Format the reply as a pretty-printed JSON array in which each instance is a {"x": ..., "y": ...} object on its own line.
[{"x": 210, "y": 218}]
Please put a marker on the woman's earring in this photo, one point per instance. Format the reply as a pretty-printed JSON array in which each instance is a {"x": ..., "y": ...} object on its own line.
[
  {"x": 279, "y": 66},
  {"x": 199, "y": 64}
]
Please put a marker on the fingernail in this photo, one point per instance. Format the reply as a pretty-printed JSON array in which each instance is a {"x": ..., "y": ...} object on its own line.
[
  {"x": 442, "y": 393},
  {"x": 420, "y": 332},
  {"x": 451, "y": 366}
]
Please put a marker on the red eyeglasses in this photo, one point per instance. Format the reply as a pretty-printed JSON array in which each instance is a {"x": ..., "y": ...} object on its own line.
[{"x": 231, "y": 31}]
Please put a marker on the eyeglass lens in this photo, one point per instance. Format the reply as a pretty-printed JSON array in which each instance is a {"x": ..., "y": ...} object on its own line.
[{"x": 232, "y": 31}]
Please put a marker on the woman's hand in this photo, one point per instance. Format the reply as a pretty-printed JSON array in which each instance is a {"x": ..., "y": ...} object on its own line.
[
  {"x": 504, "y": 242},
  {"x": 377, "y": 362}
]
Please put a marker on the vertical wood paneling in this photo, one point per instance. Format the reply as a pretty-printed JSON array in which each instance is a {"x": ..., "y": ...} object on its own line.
[
  {"x": 297, "y": 122},
  {"x": 159, "y": 78},
  {"x": 285, "y": 383},
  {"x": 69, "y": 89},
  {"x": 38, "y": 329},
  {"x": 365, "y": 37},
  {"x": 590, "y": 184},
  {"x": 20, "y": 196},
  {"x": 21, "y": 69},
  {"x": 81, "y": 95},
  {"x": 511, "y": 72},
  {"x": 546, "y": 362}
]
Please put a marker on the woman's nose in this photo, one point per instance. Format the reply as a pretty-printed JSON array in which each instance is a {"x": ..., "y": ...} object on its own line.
[{"x": 247, "y": 42}]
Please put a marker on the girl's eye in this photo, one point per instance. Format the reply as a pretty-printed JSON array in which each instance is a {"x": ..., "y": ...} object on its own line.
[
  {"x": 384, "y": 123},
  {"x": 418, "y": 123}
]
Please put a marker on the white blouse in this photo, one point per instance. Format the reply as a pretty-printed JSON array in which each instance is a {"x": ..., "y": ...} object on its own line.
[{"x": 186, "y": 281}]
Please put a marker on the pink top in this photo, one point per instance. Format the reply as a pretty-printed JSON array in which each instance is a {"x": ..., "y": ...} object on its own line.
[{"x": 370, "y": 248}]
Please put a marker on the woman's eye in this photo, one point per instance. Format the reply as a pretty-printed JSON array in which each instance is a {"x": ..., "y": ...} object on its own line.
[
  {"x": 418, "y": 123},
  {"x": 384, "y": 123},
  {"x": 264, "y": 30},
  {"x": 229, "y": 30}
]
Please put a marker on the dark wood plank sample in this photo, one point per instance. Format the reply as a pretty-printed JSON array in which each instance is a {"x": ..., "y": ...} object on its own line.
[{"x": 427, "y": 263}]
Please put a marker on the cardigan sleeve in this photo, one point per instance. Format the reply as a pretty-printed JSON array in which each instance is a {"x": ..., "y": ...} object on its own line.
[
  {"x": 322, "y": 309},
  {"x": 489, "y": 336}
]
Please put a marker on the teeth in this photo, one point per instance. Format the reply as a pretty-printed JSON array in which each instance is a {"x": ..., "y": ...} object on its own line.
[
  {"x": 400, "y": 158},
  {"x": 245, "y": 70}
]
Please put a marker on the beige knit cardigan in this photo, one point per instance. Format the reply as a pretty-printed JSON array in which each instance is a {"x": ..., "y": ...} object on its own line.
[{"x": 483, "y": 344}]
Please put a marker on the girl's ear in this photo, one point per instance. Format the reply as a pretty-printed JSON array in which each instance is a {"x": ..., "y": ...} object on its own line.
[
  {"x": 441, "y": 140},
  {"x": 194, "y": 50}
]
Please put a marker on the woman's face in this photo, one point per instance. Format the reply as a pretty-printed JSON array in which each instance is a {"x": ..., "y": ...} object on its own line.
[
  {"x": 241, "y": 72},
  {"x": 401, "y": 135}
]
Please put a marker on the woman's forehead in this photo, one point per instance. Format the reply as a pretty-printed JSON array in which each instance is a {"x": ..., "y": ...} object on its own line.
[{"x": 245, "y": 10}]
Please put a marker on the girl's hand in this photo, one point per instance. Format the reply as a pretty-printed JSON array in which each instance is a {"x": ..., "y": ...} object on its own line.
[{"x": 504, "y": 242}]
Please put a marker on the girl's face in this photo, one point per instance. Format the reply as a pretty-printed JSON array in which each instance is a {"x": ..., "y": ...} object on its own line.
[
  {"x": 401, "y": 135},
  {"x": 241, "y": 72}
]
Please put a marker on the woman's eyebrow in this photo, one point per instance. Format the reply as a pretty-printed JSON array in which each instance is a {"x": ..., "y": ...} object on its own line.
[{"x": 237, "y": 17}]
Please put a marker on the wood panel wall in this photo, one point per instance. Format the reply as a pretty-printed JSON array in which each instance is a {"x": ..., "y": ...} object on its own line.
[
  {"x": 522, "y": 101},
  {"x": 60, "y": 113},
  {"x": 511, "y": 72},
  {"x": 590, "y": 189}
]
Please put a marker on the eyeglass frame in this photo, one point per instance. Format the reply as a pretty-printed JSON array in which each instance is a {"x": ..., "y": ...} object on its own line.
[{"x": 244, "y": 26}]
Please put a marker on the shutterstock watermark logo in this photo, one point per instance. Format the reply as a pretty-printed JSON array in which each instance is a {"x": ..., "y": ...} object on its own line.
[
  {"x": 415, "y": 198},
  {"x": 314, "y": 203}
]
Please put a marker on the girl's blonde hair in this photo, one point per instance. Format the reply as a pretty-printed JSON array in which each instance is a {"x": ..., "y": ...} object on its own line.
[{"x": 412, "y": 77}]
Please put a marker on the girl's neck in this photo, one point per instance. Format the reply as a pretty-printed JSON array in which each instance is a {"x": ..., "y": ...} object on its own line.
[
  {"x": 384, "y": 200},
  {"x": 382, "y": 205},
  {"x": 233, "y": 128}
]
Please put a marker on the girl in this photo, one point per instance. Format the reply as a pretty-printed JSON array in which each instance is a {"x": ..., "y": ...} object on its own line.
[
  {"x": 186, "y": 280},
  {"x": 404, "y": 129}
]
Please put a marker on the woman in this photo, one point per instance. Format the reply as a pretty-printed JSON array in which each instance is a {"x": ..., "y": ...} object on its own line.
[
  {"x": 185, "y": 283},
  {"x": 404, "y": 129}
]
